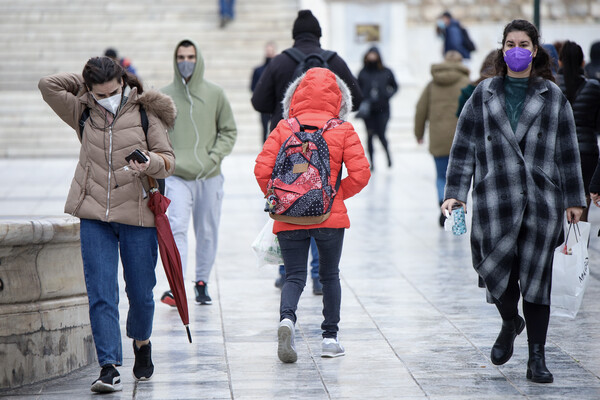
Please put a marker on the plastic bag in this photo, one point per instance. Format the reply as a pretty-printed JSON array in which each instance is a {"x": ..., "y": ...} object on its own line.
[
  {"x": 570, "y": 271},
  {"x": 266, "y": 246}
]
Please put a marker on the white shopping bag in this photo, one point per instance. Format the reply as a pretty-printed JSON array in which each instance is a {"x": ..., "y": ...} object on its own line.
[
  {"x": 570, "y": 271},
  {"x": 266, "y": 246}
]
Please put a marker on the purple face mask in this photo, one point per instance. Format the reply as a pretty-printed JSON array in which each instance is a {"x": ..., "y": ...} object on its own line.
[{"x": 518, "y": 59}]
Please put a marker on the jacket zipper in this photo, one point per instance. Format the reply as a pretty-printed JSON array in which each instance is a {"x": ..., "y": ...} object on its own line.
[{"x": 109, "y": 169}]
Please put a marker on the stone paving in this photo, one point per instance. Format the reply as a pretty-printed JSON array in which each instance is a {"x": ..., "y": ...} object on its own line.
[{"x": 414, "y": 323}]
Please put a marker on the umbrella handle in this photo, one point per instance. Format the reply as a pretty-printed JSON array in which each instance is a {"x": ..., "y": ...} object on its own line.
[{"x": 187, "y": 328}]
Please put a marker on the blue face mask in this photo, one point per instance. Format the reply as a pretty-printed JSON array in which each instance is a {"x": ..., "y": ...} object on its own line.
[
  {"x": 518, "y": 59},
  {"x": 186, "y": 68}
]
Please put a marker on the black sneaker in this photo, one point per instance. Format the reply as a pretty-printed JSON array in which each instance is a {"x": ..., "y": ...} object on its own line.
[
  {"x": 317, "y": 287},
  {"x": 202, "y": 296},
  {"x": 109, "y": 381},
  {"x": 279, "y": 281},
  {"x": 168, "y": 299},
  {"x": 143, "y": 367}
]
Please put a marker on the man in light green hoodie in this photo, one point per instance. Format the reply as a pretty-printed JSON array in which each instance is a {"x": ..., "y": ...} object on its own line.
[{"x": 204, "y": 133}]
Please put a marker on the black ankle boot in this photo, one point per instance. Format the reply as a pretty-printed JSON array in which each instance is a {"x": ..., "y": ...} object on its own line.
[
  {"x": 502, "y": 350},
  {"x": 536, "y": 366}
]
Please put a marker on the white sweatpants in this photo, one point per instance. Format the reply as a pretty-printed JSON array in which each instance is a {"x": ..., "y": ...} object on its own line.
[{"x": 202, "y": 200}]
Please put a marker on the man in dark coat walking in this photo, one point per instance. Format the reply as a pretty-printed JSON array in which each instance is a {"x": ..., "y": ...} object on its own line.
[{"x": 277, "y": 76}]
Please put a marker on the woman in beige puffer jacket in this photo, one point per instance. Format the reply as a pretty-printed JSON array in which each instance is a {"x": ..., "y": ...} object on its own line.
[{"x": 110, "y": 196}]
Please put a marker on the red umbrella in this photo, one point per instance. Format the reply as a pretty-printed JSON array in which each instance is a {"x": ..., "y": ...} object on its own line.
[{"x": 170, "y": 255}]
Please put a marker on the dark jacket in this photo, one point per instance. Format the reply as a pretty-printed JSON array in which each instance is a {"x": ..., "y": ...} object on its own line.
[
  {"x": 522, "y": 182},
  {"x": 592, "y": 69},
  {"x": 586, "y": 110},
  {"x": 377, "y": 86},
  {"x": 269, "y": 91},
  {"x": 453, "y": 39},
  {"x": 256, "y": 74}
]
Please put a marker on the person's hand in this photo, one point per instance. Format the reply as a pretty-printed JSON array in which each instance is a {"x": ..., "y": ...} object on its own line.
[
  {"x": 595, "y": 199},
  {"x": 141, "y": 167},
  {"x": 574, "y": 214},
  {"x": 420, "y": 141},
  {"x": 448, "y": 204}
]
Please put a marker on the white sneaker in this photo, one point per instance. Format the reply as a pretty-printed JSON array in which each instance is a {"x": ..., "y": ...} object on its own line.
[
  {"x": 331, "y": 348},
  {"x": 286, "y": 350}
]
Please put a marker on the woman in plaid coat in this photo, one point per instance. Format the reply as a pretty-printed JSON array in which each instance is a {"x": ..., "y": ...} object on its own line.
[{"x": 516, "y": 141}]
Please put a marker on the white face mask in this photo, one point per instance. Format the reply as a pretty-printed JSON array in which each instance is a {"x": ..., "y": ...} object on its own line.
[{"x": 111, "y": 103}]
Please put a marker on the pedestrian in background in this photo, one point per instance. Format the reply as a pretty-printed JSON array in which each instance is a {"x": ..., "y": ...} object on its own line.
[
  {"x": 378, "y": 85},
  {"x": 109, "y": 196},
  {"x": 592, "y": 69},
  {"x": 437, "y": 106},
  {"x": 124, "y": 61},
  {"x": 452, "y": 32},
  {"x": 270, "y": 52},
  {"x": 584, "y": 96},
  {"x": 314, "y": 99},
  {"x": 278, "y": 75},
  {"x": 516, "y": 142},
  {"x": 226, "y": 11},
  {"x": 204, "y": 134}
]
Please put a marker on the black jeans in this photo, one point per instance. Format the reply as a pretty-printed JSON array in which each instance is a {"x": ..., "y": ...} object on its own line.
[
  {"x": 294, "y": 249},
  {"x": 376, "y": 126}
]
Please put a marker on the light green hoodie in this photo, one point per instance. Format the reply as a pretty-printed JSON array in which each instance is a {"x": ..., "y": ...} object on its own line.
[{"x": 204, "y": 131}]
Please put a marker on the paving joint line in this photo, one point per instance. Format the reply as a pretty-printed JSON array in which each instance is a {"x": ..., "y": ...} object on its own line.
[
  {"x": 384, "y": 337},
  {"x": 314, "y": 361},
  {"x": 229, "y": 380}
]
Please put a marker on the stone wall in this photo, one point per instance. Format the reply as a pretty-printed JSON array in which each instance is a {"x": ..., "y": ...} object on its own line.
[
  {"x": 482, "y": 11},
  {"x": 44, "y": 322}
]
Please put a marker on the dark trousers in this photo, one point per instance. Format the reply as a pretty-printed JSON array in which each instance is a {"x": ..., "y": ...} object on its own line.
[
  {"x": 537, "y": 316},
  {"x": 264, "y": 120},
  {"x": 294, "y": 249},
  {"x": 376, "y": 126}
]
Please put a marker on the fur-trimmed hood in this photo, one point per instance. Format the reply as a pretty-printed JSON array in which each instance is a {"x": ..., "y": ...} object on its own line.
[
  {"x": 160, "y": 105},
  {"x": 317, "y": 91}
]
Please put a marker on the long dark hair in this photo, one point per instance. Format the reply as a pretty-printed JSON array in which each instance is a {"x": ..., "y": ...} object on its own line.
[
  {"x": 103, "y": 69},
  {"x": 540, "y": 66},
  {"x": 571, "y": 57}
]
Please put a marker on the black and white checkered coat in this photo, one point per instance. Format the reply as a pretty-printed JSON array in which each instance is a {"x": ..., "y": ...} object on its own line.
[{"x": 522, "y": 183}]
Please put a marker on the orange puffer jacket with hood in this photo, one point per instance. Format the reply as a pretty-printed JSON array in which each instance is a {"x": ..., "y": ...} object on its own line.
[{"x": 315, "y": 98}]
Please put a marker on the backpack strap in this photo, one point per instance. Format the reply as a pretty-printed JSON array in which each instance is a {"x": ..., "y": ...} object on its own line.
[
  {"x": 84, "y": 116},
  {"x": 295, "y": 54}
]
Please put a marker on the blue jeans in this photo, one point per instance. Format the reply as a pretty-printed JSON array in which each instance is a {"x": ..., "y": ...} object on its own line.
[
  {"x": 314, "y": 262},
  {"x": 294, "y": 249},
  {"x": 226, "y": 8},
  {"x": 101, "y": 243},
  {"x": 441, "y": 165}
]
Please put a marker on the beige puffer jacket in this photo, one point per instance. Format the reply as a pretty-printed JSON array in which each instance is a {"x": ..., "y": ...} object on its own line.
[{"x": 104, "y": 187}]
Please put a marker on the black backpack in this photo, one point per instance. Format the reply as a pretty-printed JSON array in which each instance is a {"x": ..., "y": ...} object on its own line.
[
  {"x": 466, "y": 40},
  {"x": 143, "y": 116},
  {"x": 308, "y": 61}
]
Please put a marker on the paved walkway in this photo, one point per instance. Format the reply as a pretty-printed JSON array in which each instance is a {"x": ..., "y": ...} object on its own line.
[{"x": 414, "y": 323}]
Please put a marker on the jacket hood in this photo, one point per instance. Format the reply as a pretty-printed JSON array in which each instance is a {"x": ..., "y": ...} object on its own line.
[
  {"x": 447, "y": 73},
  {"x": 317, "y": 91},
  {"x": 160, "y": 105},
  {"x": 198, "y": 74}
]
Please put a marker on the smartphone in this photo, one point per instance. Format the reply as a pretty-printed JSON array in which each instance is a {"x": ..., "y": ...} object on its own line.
[{"x": 138, "y": 156}]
